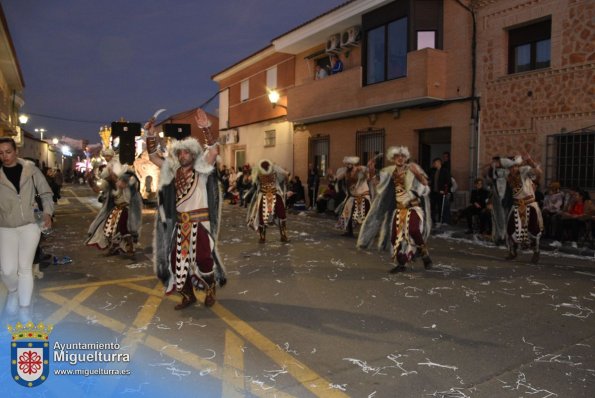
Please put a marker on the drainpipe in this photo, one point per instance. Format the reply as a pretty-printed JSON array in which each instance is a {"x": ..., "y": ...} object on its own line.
[{"x": 475, "y": 106}]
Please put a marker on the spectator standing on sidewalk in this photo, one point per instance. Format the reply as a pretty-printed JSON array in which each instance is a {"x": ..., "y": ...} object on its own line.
[
  {"x": 313, "y": 185},
  {"x": 20, "y": 182}
]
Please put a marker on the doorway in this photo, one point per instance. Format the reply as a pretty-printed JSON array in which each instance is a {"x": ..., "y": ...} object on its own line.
[{"x": 432, "y": 144}]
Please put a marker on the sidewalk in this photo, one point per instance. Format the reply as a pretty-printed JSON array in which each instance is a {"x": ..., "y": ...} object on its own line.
[{"x": 458, "y": 232}]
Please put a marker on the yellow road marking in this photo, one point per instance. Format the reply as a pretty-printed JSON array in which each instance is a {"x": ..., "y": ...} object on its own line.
[
  {"x": 233, "y": 362},
  {"x": 233, "y": 366},
  {"x": 134, "y": 334},
  {"x": 302, "y": 373},
  {"x": 190, "y": 359},
  {"x": 103, "y": 283},
  {"x": 84, "y": 311},
  {"x": 69, "y": 305}
]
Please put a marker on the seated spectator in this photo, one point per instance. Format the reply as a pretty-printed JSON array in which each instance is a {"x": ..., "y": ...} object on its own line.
[
  {"x": 336, "y": 64},
  {"x": 552, "y": 207},
  {"x": 321, "y": 73},
  {"x": 243, "y": 184},
  {"x": 295, "y": 192},
  {"x": 324, "y": 200},
  {"x": 572, "y": 219},
  {"x": 479, "y": 199}
]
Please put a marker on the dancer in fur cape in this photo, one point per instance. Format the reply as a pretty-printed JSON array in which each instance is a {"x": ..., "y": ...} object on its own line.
[
  {"x": 355, "y": 207},
  {"x": 117, "y": 225},
  {"x": 400, "y": 211},
  {"x": 496, "y": 176},
  {"x": 268, "y": 203},
  {"x": 525, "y": 222},
  {"x": 188, "y": 219}
]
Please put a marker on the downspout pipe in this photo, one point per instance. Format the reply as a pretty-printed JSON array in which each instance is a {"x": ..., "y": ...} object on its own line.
[{"x": 475, "y": 104}]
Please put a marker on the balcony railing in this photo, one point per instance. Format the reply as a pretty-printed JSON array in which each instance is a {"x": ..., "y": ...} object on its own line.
[{"x": 343, "y": 95}]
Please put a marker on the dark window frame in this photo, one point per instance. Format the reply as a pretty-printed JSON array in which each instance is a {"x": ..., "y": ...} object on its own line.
[
  {"x": 313, "y": 159},
  {"x": 422, "y": 15},
  {"x": 530, "y": 34},
  {"x": 361, "y": 138},
  {"x": 570, "y": 159}
]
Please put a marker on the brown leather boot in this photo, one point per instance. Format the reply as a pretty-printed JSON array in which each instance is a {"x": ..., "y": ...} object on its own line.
[
  {"x": 210, "y": 295},
  {"x": 262, "y": 231},
  {"x": 188, "y": 297}
]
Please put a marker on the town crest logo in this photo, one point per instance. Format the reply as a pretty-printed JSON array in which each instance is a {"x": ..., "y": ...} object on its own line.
[{"x": 30, "y": 353}]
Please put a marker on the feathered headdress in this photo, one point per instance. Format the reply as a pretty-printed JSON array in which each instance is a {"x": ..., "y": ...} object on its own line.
[
  {"x": 351, "y": 160},
  {"x": 189, "y": 143},
  {"x": 397, "y": 150},
  {"x": 508, "y": 163}
]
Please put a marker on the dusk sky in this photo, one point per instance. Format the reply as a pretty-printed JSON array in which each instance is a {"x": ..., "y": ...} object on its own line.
[{"x": 93, "y": 61}]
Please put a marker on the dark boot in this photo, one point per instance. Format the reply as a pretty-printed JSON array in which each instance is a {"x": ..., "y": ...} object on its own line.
[
  {"x": 262, "y": 230},
  {"x": 188, "y": 297},
  {"x": 512, "y": 252},
  {"x": 283, "y": 231},
  {"x": 425, "y": 256},
  {"x": 535, "y": 257},
  {"x": 349, "y": 231}
]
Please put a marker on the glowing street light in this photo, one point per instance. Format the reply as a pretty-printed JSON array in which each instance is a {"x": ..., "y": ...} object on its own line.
[
  {"x": 23, "y": 119},
  {"x": 40, "y": 131}
]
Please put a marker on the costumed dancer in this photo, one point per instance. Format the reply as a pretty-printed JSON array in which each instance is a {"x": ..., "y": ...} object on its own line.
[
  {"x": 268, "y": 202},
  {"x": 525, "y": 222},
  {"x": 496, "y": 176},
  {"x": 188, "y": 217},
  {"x": 355, "y": 207},
  {"x": 117, "y": 225},
  {"x": 400, "y": 211}
]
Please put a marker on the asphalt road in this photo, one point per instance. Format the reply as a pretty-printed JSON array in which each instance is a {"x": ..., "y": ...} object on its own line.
[{"x": 317, "y": 317}]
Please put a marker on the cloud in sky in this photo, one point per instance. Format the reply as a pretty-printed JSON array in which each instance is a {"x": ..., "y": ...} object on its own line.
[{"x": 99, "y": 60}]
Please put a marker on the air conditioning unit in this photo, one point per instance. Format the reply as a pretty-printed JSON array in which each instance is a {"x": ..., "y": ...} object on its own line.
[
  {"x": 333, "y": 44},
  {"x": 228, "y": 137},
  {"x": 232, "y": 137},
  {"x": 351, "y": 36}
]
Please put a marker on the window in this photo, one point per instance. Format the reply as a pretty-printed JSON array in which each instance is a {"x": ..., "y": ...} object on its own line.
[
  {"x": 570, "y": 159},
  {"x": 386, "y": 52},
  {"x": 370, "y": 144},
  {"x": 245, "y": 90},
  {"x": 393, "y": 30},
  {"x": 426, "y": 39},
  {"x": 529, "y": 47},
  {"x": 319, "y": 154},
  {"x": 270, "y": 137},
  {"x": 240, "y": 158},
  {"x": 272, "y": 77}
]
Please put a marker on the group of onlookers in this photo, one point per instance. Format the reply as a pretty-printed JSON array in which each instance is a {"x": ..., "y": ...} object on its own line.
[{"x": 568, "y": 215}]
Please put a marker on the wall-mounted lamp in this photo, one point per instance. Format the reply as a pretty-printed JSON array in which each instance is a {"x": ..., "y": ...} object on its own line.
[
  {"x": 274, "y": 98},
  {"x": 23, "y": 119}
]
